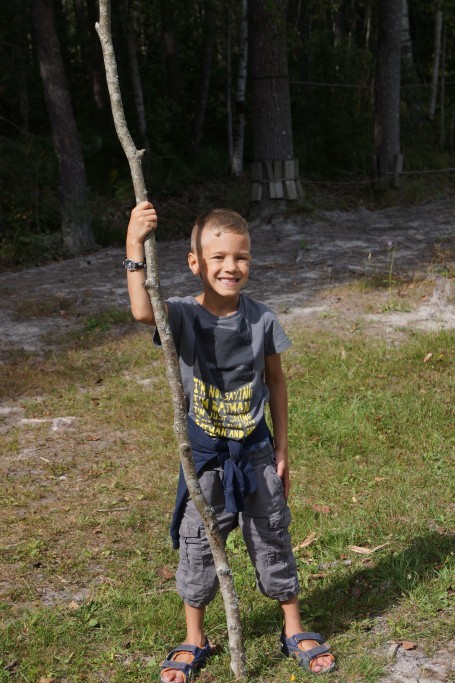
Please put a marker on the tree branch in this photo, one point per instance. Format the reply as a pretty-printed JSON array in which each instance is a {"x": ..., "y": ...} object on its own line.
[{"x": 152, "y": 284}]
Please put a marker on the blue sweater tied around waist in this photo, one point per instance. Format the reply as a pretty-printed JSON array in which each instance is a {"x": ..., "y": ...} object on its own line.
[{"x": 232, "y": 455}]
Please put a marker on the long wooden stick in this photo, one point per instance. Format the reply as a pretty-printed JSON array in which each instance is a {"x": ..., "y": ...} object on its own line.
[{"x": 152, "y": 284}]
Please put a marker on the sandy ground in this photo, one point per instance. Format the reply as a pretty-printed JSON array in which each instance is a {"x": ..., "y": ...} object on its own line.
[
  {"x": 316, "y": 270},
  {"x": 298, "y": 266}
]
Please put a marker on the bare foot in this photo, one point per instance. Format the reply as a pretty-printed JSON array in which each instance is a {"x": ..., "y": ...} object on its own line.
[
  {"x": 171, "y": 675},
  {"x": 174, "y": 675},
  {"x": 318, "y": 663}
]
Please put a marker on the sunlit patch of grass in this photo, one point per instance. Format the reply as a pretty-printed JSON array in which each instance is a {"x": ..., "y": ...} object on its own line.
[{"x": 86, "y": 578}]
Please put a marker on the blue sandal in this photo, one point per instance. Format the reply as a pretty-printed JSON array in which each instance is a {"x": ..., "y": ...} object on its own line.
[
  {"x": 290, "y": 648},
  {"x": 188, "y": 669}
]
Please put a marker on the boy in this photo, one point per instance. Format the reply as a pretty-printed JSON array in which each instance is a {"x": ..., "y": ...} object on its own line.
[{"x": 229, "y": 352}]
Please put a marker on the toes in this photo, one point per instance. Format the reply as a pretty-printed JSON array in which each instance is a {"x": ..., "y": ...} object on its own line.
[{"x": 322, "y": 663}]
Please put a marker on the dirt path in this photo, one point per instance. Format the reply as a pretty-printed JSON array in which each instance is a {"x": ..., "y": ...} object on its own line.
[{"x": 297, "y": 265}]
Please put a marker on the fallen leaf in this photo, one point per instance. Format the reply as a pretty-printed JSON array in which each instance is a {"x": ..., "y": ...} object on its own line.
[
  {"x": 408, "y": 645},
  {"x": 357, "y": 592},
  {"x": 428, "y": 357},
  {"x": 165, "y": 572},
  {"x": 324, "y": 509},
  {"x": 308, "y": 541},
  {"x": 46, "y": 679}
]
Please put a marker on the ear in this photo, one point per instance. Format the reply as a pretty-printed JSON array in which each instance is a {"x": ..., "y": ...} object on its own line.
[{"x": 193, "y": 263}]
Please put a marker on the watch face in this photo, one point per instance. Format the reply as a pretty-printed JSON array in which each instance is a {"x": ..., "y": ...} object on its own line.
[{"x": 132, "y": 265}]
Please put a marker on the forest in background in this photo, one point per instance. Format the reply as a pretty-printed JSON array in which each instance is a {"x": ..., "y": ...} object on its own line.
[{"x": 179, "y": 74}]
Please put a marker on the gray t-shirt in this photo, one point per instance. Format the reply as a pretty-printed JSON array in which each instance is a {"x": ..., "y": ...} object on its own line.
[{"x": 222, "y": 361}]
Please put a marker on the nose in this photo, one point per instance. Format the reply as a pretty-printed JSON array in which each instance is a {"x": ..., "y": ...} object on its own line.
[{"x": 230, "y": 265}]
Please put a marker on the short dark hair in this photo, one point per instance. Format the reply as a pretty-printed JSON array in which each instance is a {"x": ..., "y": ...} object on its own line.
[{"x": 220, "y": 221}]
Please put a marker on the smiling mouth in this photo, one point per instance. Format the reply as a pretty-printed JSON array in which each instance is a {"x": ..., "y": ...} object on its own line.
[{"x": 230, "y": 282}]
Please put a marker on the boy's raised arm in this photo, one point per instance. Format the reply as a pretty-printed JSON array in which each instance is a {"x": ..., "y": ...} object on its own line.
[{"x": 143, "y": 220}]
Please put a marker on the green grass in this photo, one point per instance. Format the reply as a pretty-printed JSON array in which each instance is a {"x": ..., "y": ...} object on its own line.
[{"x": 85, "y": 556}]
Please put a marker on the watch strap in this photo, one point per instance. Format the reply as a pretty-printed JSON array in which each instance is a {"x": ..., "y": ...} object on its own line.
[{"x": 128, "y": 264}]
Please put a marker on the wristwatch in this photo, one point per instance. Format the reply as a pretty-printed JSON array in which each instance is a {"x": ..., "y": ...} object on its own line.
[{"x": 128, "y": 264}]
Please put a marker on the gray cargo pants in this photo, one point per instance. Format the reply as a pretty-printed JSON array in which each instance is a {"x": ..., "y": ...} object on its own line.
[{"x": 264, "y": 524}]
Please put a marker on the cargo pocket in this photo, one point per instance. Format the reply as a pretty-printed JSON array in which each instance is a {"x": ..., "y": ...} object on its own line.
[
  {"x": 190, "y": 546},
  {"x": 279, "y": 541}
]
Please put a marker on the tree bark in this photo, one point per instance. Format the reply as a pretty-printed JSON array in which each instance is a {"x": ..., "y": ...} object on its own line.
[
  {"x": 152, "y": 285},
  {"x": 271, "y": 104},
  {"x": 387, "y": 90},
  {"x": 239, "y": 135},
  {"x": 272, "y": 123},
  {"x": 76, "y": 224},
  {"x": 436, "y": 59}
]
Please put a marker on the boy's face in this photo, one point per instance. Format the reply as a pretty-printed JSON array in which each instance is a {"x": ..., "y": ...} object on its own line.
[{"x": 222, "y": 261}]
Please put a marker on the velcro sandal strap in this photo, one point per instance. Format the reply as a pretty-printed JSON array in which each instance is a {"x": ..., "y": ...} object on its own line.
[
  {"x": 309, "y": 655},
  {"x": 172, "y": 664},
  {"x": 310, "y": 635},
  {"x": 192, "y": 649}
]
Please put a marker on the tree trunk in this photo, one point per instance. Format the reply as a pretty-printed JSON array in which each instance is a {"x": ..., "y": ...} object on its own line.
[
  {"x": 271, "y": 105},
  {"x": 229, "y": 119},
  {"x": 388, "y": 159},
  {"x": 174, "y": 75},
  {"x": 76, "y": 224},
  {"x": 172, "y": 365},
  {"x": 20, "y": 60},
  {"x": 436, "y": 58},
  {"x": 442, "y": 129},
  {"x": 239, "y": 136},
  {"x": 206, "y": 65},
  {"x": 90, "y": 53},
  {"x": 412, "y": 95},
  {"x": 128, "y": 25}
]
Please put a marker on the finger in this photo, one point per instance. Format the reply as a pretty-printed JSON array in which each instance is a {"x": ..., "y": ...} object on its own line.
[{"x": 144, "y": 205}]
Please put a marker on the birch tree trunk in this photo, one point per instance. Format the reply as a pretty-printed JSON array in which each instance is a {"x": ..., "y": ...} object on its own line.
[
  {"x": 239, "y": 136},
  {"x": 152, "y": 285},
  {"x": 436, "y": 58}
]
